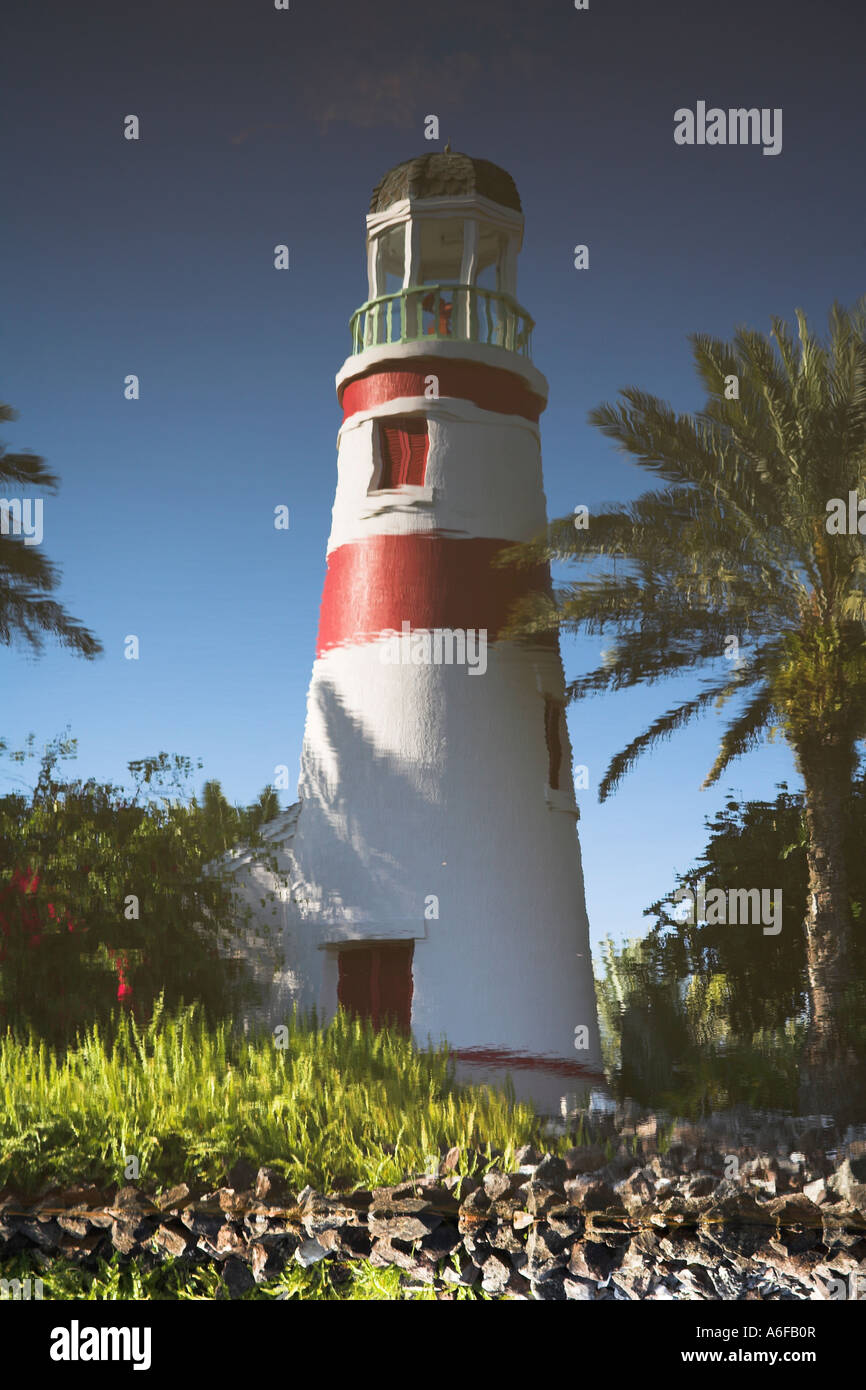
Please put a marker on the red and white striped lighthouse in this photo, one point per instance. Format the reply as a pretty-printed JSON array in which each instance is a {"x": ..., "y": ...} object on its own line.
[{"x": 433, "y": 857}]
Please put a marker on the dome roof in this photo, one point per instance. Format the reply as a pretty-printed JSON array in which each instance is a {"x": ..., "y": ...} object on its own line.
[{"x": 442, "y": 175}]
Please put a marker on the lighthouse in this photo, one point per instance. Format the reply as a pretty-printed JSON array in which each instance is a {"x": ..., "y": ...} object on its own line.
[{"x": 432, "y": 871}]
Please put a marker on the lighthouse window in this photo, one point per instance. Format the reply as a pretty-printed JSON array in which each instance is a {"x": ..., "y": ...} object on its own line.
[
  {"x": 491, "y": 258},
  {"x": 441, "y": 246},
  {"x": 403, "y": 448},
  {"x": 375, "y": 982},
  {"x": 553, "y": 717}
]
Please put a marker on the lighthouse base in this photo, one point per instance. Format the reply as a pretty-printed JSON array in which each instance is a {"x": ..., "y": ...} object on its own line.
[{"x": 555, "y": 1087}]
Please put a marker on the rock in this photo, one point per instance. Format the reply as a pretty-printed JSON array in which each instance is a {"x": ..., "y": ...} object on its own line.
[
  {"x": 495, "y": 1274},
  {"x": 172, "y": 1238},
  {"x": 551, "y": 1171},
  {"x": 566, "y": 1221},
  {"x": 353, "y": 1240},
  {"x": 816, "y": 1191},
  {"x": 129, "y": 1202},
  {"x": 406, "y": 1219},
  {"x": 174, "y": 1198},
  {"x": 235, "y": 1203},
  {"x": 283, "y": 1243},
  {"x": 309, "y": 1253},
  {"x": 475, "y": 1203},
  {"x": 332, "y": 1240},
  {"x": 497, "y": 1185},
  {"x": 201, "y": 1223},
  {"x": 103, "y": 1219},
  {"x": 271, "y": 1187},
  {"x": 687, "y": 1247},
  {"x": 538, "y": 1197},
  {"x": 265, "y": 1262},
  {"x": 527, "y": 1156},
  {"x": 550, "y": 1289},
  {"x": 522, "y": 1219},
  {"x": 633, "y": 1284},
  {"x": 545, "y": 1252},
  {"x": 636, "y": 1190},
  {"x": 450, "y": 1161},
  {"x": 738, "y": 1205},
  {"x": 502, "y": 1237},
  {"x": 467, "y": 1275},
  {"x": 73, "y": 1225},
  {"x": 477, "y": 1248},
  {"x": 795, "y": 1209},
  {"x": 518, "y": 1286},
  {"x": 662, "y": 1167},
  {"x": 503, "y": 1209},
  {"x": 230, "y": 1240},
  {"x": 738, "y": 1239},
  {"x": 659, "y": 1292},
  {"x": 704, "y": 1185},
  {"x": 591, "y": 1259},
  {"x": 640, "y": 1250},
  {"x": 790, "y": 1242},
  {"x": 593, "y": 1195},
  {"x": 79, "y": 1247},
  {"x": 127, "y": 1236},
  {"x": 441, "y": 1242},
  {"x": 385, "y": 1252},
  {"x": 849, "y": 1182},
  {"x": 696, "y": 1281},
  {"x": 326, "y": 1214},
  {"x": 583, "y": 1290},
  {"x": 585, "y": 1160},
  {"x": 237, "y": 1278}
]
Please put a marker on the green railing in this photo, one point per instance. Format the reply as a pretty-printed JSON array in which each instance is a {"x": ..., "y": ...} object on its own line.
[{"x": 462, "y": 313}]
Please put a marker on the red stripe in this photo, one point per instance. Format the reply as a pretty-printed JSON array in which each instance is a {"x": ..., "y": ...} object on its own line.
[
  {"x": 430, "y": 581},
  {"x": 491, "y": 388},
  {"x": 525, "y": 1061}
]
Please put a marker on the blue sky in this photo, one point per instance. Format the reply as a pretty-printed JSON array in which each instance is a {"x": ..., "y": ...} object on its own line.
[{"x": 156, "y": 257}]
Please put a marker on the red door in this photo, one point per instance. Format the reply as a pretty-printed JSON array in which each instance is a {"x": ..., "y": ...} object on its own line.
[{"x": 375, "y": 982}]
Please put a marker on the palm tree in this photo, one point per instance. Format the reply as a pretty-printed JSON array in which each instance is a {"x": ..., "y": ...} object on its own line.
[
  {"x": 220, "y": 819},
  {"x": 740, "y": 544},
  {"x": 27, "y": 576}
]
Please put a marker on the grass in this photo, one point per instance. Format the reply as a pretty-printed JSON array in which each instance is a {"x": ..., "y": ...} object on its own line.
[
  {"x": 337, "y": 1107},
  {"x": 178, "y": 1280}
]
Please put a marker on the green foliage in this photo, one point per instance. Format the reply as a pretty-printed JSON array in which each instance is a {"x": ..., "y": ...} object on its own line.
[
  {"x": 695, "y": 1015},
  {"x": 27, "y": 577},
  {"x": 338, "y": 1106},
  {"x": 182, "y": 1280},
  {"x": 121, "y": 906},
  {"x": 735, "y": 545}
]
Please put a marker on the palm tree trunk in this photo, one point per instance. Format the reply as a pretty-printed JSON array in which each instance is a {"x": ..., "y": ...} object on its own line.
[{"x": 827, "y": 768}]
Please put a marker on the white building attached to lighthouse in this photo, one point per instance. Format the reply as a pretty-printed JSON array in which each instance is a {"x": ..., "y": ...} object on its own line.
[{"x": 432, "y": 857}]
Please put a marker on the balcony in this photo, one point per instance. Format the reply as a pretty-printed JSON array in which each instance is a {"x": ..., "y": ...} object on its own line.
[{"x": 458, "y": 313}]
